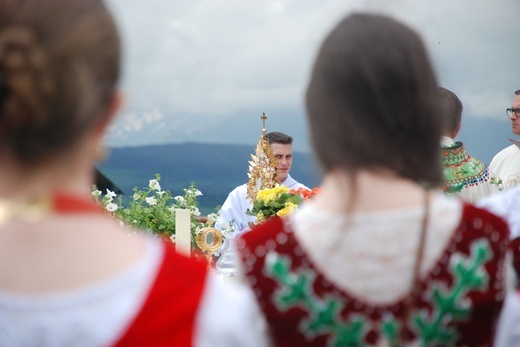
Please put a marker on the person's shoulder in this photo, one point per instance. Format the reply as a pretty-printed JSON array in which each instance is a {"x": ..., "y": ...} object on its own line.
[
  {"x": 476, "y": 161},
  {"x": 291, "y": 183},
  {"x": 182, "y": 264},
  {"x": 485, "y": 220},
  {"x": 509, "y": 150},
  {"x": 502, "y": 203},
  {"x": 239, "y": 190},
  {"x": 507, "y": 196},
  {"x": 262, "y": 232},
  {"x": 242, "y": 324}
]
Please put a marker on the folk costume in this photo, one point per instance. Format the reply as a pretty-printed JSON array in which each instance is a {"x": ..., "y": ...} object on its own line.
[
  {"x": 464, "y": 176},
  {"x": 323, "y": 279},
  {"x": 164, "y": 299}
]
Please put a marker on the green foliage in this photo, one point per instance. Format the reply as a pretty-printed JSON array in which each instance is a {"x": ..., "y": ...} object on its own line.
[
  {"x": 153, "y": 209},
  {"x": 497, "y": 181},
  {"x": 275, "y": 201}
]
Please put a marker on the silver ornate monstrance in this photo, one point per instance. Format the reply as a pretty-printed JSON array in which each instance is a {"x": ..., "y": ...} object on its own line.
[{"x": 262, "y": 167}]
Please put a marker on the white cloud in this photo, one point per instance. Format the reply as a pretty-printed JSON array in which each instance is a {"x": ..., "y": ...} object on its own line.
[{"x": 199, "y": 64}]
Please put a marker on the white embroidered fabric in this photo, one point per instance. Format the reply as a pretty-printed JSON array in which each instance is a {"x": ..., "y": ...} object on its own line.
[
  {"x": 229, "y": 316},
  {"x": 92, "y": 316},
  {"x": 371, "y": 255},
  {"x": 505, "y": 204}
]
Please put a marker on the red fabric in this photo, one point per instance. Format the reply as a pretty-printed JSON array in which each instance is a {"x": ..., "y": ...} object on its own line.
[
  {"x": 285, "y": 324},
  {"x": 65, "y": 203},
  {"x": 167, "y": 317}
]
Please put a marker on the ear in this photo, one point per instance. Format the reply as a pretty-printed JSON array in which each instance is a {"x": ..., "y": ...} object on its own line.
[
  {"x": 456, "y": 132},
  {"x": 114, "y": 105}
]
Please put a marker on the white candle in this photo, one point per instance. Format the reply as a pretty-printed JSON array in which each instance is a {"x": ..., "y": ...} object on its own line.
[{"x": 183, "y": 231}]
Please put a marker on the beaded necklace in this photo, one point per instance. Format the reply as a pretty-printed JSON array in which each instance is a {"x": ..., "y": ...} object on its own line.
[{"x": 35, "y": 210}]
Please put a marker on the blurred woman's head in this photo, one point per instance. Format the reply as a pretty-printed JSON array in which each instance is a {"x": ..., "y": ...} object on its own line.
[
  {"x": 372, "y": 100},
  {"x": 59, "y": 65}
]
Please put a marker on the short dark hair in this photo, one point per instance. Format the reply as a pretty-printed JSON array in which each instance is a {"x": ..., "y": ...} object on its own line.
[
  {"x": 517, "y": 92},
  {"x": 372, "y": 100},
  {"x": 452, "y": 110},
  {"x": 278, "y": 137}
]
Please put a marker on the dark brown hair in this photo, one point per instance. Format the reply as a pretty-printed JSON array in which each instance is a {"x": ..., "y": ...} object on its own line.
[
  {"x": 517, "y": 92},
  {"x": 278, "y": 137},
  {"x": 452, "y": 110},
  {"x": 59, "y": 65},
  {"x": 372, "y": 100}
]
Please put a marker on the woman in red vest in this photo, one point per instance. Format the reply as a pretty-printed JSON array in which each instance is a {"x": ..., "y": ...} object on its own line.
[
  {"x": 69, "y": 275},
  {"x": 379, "y": 257}
]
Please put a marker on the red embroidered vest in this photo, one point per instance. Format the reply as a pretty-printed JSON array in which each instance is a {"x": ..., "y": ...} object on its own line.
[
  {"x": 458, "y": 301},
  {"x": 167, "y": 317}
]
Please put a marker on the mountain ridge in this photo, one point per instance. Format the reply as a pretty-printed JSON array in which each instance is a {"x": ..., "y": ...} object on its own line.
[{"x": 216, "y": 169}]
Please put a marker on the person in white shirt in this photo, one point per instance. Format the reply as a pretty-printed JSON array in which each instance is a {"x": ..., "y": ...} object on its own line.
[
  {"x": 506, "y": 163},
  {"x": 233, "y": 211},
  {"x": 464, "y": 176}
]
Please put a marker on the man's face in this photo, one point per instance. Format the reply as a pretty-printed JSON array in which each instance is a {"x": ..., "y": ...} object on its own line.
[
  {"x": 515, "y": 121},
  {"x": 283, "y": 155}
]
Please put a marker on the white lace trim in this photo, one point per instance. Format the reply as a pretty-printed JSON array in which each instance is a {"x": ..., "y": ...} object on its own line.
[
  {"x": 93, "y": 316},
  {"x": 371, "y": 255}
]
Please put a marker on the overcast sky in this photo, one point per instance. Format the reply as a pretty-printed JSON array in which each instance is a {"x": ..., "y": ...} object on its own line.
[{"x": 205, "y": 70}]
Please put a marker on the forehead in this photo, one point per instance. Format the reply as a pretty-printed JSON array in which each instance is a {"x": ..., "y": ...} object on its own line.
[
  {"x": 281, "y": 149},
  {"x": 516, "y": 101}
]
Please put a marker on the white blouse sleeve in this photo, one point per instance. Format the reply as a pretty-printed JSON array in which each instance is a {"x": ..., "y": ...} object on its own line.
[
  {"x": 508, "y": 331},
  {"x": 229, "y": 316}
]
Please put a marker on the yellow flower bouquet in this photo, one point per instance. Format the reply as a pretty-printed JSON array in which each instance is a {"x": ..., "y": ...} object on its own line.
[{"x": 279, "y": 201}]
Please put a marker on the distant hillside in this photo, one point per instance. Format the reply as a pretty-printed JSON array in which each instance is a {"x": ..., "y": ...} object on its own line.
[{"x": 216, "y": 169}]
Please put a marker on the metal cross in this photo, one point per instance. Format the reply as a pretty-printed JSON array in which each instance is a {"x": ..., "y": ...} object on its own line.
[{"x": 263, "y": 118}]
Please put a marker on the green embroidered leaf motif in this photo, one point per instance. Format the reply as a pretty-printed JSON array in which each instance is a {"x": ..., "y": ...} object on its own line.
[
  {"x": 278, "y": 267},
  {"x": 325, "y": 316},
  {"x": 468, "y": 275},
  {"x": 390, "y": 330},
  {"x": 297, "y": 291},
  {"x": 350, "y": 335}
]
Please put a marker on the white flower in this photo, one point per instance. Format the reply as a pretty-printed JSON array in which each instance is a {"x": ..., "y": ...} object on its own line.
[
  {"x": 179, "y": 199},
  {"x": 225, "y": 233},
  {"x": 172, "y": 238},
  {"x": 196, "y": 212},
  {"x": 151, "y": 200},
  {"x": 135, "y": 196},
  {"x": 110, "y": 194},
  {"x": 198, "y": 192},
  {"x": 96, "y": 192},
  {"x": 154, "y": 185},
  {"x": 160, "y": 193},
  {"x": 227, "y": 229},
  {"x": 111, "y": 207},
  {"x": 172, "y": 209},
  {"x": 212, "y": 217}
]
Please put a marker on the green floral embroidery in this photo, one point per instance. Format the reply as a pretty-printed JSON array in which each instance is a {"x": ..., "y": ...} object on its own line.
[
  {"x": 469, "y": 275},
  {"x": 324, "y": 313},
  {"x": 390, "y": 330},
  {"x": 460, "y": 169}
]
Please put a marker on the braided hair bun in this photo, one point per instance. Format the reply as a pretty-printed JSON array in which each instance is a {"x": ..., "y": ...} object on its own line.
[{"x": 59, "y": 65}]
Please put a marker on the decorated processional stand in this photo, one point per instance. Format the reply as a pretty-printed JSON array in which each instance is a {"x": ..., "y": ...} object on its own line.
[{"x": 262, "y": 175}]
